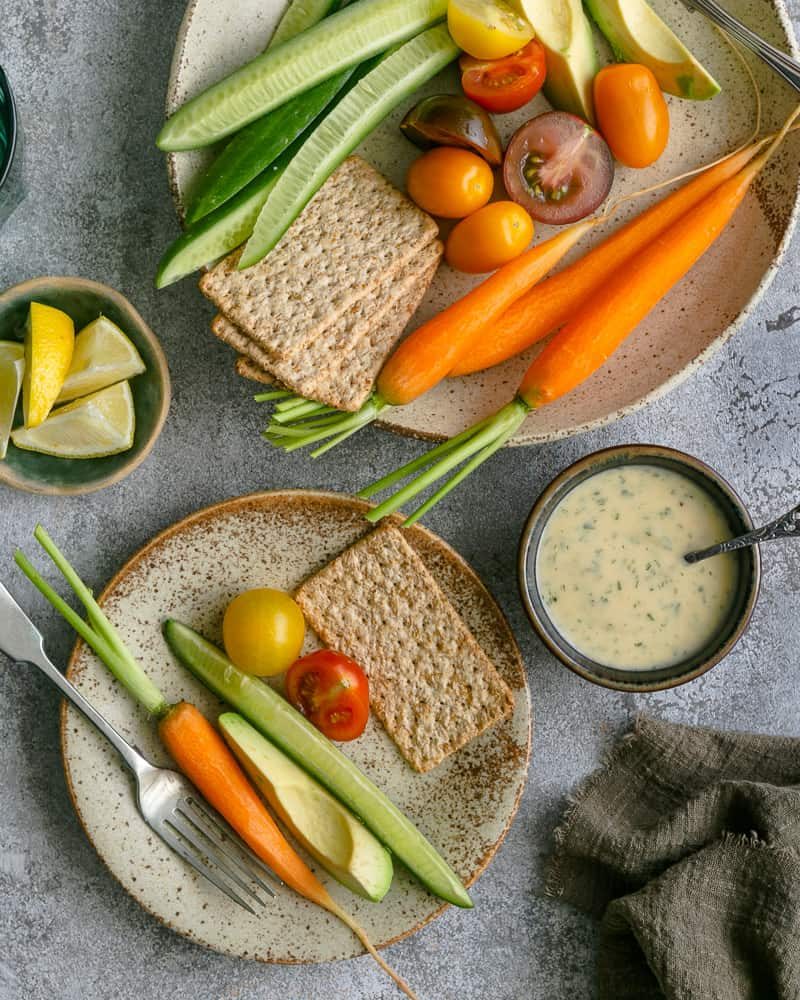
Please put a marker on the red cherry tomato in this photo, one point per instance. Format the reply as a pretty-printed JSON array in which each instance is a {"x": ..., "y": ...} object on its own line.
[
  {"x": 502, "y": 85},
  {"x": 332, "y": 692}
]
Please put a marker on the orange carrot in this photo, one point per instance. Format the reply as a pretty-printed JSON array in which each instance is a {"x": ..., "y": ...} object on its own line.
[
  {"x": 203, "y": 756},
  {"x": 550, "y": 304},
  {"x": 599, "y": 326},
  {"x": 425, "y": 357}
]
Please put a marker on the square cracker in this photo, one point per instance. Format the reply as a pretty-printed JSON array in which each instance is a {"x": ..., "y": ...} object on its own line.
[
  {"x": 431, "y": 684},
  {"x": 357, "y": 231},
  {"x": 340, "y": 365}
]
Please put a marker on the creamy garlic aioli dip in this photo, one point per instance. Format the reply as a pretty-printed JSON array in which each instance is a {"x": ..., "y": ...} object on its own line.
[{"x": 611, "y": 572}]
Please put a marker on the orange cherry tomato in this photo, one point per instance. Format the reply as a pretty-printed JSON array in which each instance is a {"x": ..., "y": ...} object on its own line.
[
  {"x": 632, "y": 114},
  {"x": 489, "y": 238},
  {"x": 450, "y": 182}
]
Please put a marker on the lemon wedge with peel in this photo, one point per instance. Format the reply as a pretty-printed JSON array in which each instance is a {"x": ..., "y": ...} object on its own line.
[
  {"x": 12, "y": 366},
  {"x": 103, "y": 355},
  {"x": 49, "y": 342},
  {"x": 93, "y": 427}
]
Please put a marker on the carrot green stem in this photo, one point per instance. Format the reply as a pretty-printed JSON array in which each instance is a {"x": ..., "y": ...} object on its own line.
[
  {"x": 269, "y": 397},
  {"x": 471, "y": 447},
  {"x": 116, "y": 657},
  {"x": 299, "y": 427}
]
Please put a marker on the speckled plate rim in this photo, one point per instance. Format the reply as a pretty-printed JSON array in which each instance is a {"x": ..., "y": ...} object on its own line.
[
  {"x": 30, "y": 287},
  {"x": 526, "y": 436},
  {"x": 224, "y": 507}
]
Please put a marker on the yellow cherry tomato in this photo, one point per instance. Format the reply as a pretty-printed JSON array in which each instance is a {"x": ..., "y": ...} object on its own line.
[
  {"x": 450, "y": 182},
  {"x": 487, "y": 29},
  {"x": 263, "y": 631},
  {"x": 489, "y": 238}
]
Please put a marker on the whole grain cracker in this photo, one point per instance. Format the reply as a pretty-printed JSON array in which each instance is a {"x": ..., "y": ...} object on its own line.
[
  {"x": 340, "y": 366},
  {"x": 356, "y": 232},
  {"x": 431, "y": 684}
]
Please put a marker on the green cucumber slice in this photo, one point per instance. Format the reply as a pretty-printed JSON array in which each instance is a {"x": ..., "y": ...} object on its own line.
[
  {"x": 300, "y": 15},
  {"x": 364, "y": 107},
  {"x": 221, "y": 231},
  {"x": 256, "y": 146},
  {"x": 345, "y": 38},
  {"x": 273, "y": 716}
]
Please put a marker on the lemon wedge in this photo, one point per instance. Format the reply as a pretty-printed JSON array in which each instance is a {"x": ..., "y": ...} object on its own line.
[
  {"x": 12, "y": 366},
  {"x": 49, "y": 342},
  {"x": 93, "y": 427},
  {"x": 103, "y": 355},
  {"x": 487, "y": 29}
]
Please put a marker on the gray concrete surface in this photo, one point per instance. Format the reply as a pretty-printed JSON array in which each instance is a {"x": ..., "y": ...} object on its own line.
[{"x": 90, "y": 79}]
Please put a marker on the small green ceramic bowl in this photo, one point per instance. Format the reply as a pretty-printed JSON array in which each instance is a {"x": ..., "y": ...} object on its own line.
[{"x": 84, "y": 301}]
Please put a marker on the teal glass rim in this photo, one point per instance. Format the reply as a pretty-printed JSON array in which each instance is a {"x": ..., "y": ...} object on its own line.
[{"x": 8, "y": 109}]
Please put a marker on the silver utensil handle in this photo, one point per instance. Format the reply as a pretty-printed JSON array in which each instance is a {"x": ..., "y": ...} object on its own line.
[
  {"x": 785, "y": 526},
  {"x": 132, "y": 757},
  {"x": 778, "y": 61}
]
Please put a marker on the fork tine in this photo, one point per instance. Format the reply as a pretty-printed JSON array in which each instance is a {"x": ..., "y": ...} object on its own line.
[
  {"x": 191, "y": 832},
  {"x": 228, "y": 844},
  {"x": 222, "y": 829},
  {"x": 177, "y": 845}
]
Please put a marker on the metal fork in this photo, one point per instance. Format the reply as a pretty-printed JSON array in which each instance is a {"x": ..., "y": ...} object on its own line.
[
  {"x": 778, "y": 62},
  {"x": 168, "y": 803}
]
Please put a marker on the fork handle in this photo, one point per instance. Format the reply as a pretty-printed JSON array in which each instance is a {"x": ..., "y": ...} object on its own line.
[
  {"x": 777, "y": 61},
  {"x": 135, "y": 761}
]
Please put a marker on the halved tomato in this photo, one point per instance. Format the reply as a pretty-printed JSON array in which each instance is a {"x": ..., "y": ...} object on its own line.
[
  {"x": 558, "y": 168},
  {"x": 502, "y": 85},
  {"x": 332, "y": 692}
]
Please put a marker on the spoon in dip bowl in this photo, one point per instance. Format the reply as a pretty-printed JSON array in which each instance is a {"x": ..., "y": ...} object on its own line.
[{"x": 785, "y": 526}]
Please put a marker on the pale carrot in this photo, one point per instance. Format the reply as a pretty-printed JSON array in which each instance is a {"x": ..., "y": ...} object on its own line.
[
  {"x": 550, "y": 303},
  {"x": 584, "y": 343}
]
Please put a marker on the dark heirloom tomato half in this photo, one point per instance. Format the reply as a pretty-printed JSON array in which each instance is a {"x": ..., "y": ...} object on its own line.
[
  {"x": 450, "y": 120},
  {"x": 332, "y": 692},
  {"x": 502, "y": 85},
  {"x": 558, "y": 168}
]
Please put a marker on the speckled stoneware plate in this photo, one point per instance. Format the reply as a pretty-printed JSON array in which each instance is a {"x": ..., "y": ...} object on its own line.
[
  {"x": 84, "y": 301},
  {"x": 695, "y": 319},
  {"x": 190, "y": 572}
]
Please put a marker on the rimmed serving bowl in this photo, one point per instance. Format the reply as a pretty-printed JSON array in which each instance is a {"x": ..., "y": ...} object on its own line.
[
  {"x": 84, "y": 301},
  {"x": 748, "y": 569}
]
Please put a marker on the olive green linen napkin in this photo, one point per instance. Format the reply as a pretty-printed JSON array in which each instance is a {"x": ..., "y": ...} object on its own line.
[{"x": 687, "y": 843}]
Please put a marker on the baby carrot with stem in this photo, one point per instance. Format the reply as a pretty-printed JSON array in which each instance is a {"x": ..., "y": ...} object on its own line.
[
  {"x": 588, "y": 339},
  {"x": 196, "y": 747}
]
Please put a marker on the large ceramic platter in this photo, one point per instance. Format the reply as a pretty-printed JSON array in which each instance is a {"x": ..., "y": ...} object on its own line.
[
  {"x": 190, "y": 572},
  {"x": 692, "y": 322}
]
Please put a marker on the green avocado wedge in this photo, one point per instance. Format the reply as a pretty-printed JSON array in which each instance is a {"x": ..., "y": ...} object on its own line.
[
  {"x": 564, "y": 31},
  {"x": 275, "y": 718},
  {"x": 341, "y": 40},
  {"x": 638, "y": 35},
  {"x": 319, "y": 822}
]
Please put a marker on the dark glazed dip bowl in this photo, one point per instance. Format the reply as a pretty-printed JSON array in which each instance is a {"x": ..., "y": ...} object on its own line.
[{"x": 748, "y": 569}]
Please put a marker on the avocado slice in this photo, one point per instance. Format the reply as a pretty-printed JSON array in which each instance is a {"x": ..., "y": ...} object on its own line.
[
  {"x": 638, "y": 35},
  {"x": 319, "y": 822},
  {"x": 564, "y": 31}
]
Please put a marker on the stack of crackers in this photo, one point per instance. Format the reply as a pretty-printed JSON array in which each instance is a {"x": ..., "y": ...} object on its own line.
[
  {"x": 321, "y": 313},
  {"x": 430, "y": 682}
]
